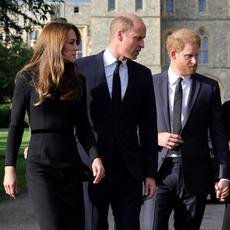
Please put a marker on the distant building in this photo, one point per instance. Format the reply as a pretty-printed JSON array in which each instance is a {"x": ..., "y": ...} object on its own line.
[{"x": 209, "y": 18}]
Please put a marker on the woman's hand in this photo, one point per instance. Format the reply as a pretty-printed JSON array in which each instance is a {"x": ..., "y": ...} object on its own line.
[
  {"x": 26, "y": 152},
  {"x": 10, "y": 181},
  {"x": 98, "y": 170}
]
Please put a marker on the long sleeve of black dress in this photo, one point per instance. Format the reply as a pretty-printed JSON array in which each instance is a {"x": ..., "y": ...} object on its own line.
[{"x": 52, "y": 114}]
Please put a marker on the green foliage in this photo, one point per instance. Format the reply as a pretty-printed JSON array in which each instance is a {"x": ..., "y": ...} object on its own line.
[
  {"x": 60, "y": 19},
  {"x": 11, "y": 10},
  {"x": 20, "y": 169},
  {"x": 15, "y": 17},
  {"x": 14, "y": 55},
  {"x": 5, "y": 111}
]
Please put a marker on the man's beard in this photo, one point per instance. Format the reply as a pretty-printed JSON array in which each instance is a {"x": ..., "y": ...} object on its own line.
[{"x": 186, "y": 70}]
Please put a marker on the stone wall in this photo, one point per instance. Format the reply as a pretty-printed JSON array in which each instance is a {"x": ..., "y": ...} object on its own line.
[
  {"x": 93, "y": 19},
  {"x": 101, "y": 18},
  {"x": 215, "y": 21}
]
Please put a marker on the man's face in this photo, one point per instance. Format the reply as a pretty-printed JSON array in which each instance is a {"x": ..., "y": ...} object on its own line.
[
  {"x": 133, "y": 41},
  {"x": 187, "y": 60}
]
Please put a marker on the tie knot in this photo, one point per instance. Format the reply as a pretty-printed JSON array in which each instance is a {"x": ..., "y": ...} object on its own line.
[
  {"x": 118, "y": 64},
  {"x": 180, "y": 80}
]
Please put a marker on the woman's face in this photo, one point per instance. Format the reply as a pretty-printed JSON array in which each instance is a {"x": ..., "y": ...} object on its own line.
[{"x": 70, "y": 47}]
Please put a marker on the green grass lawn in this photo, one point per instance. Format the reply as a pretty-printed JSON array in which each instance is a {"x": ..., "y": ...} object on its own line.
[{"x": 20, "y": 169}]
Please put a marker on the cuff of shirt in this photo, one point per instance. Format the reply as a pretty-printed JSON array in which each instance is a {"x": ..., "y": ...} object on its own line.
[{"x": 225, "y": 179}]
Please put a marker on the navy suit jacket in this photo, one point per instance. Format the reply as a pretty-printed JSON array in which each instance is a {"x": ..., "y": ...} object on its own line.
[
  {"x": 226, "y": 111},
  {"x": 136, "y": 113},
  {"x": 203, "y": 112}
]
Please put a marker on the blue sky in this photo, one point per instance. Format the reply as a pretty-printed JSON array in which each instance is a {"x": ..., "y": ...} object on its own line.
[{"x": 76, "y": 2}]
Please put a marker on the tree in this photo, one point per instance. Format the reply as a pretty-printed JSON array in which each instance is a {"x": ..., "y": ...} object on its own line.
[
  {"x": 12, "y": 10},
  {"x": 17, "y": 16},
  {"x": 14, "y": 55}
]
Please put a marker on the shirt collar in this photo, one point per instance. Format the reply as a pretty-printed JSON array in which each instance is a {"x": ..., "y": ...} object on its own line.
[
  {"x": 173, "y": 78},
  {"x": 109, "y": 59}
]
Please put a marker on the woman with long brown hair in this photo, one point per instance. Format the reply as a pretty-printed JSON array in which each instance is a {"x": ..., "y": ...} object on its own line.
[{"x": 53, "y": 93}]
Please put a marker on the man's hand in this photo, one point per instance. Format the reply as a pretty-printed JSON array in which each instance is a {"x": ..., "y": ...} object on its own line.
[
  {"x": 98, "y": 170},
  {"x": 222, "y": 190},
  {"x": 169, "y": 140},
  {"x": 26, "y": 152},
  {"x": 150, "y": 188},
  {"x": 10, "y": 181}
]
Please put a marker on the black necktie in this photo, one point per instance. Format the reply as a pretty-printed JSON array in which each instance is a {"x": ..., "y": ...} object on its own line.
[
  {"x": 177, "y": 109},
  {"x": 116, "y": 92}
]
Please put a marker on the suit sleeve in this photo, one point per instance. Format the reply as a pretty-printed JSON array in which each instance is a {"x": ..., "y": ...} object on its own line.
[
  {"x": 226, "y": 111},
  {"x": 148, "y": 130},
  {"x": 83, "y": 130},
  {"x": 219, "y": 136}
]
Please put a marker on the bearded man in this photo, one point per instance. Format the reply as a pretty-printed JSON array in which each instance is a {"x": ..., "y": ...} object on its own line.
[{"x": 188, "y": 105}]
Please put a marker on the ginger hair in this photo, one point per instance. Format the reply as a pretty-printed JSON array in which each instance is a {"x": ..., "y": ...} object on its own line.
[{"x": 177, "y": 40}]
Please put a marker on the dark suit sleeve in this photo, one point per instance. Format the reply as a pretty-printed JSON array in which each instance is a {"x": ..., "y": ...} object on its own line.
[
  {"x": 219, "y": 136},
  {"x": 148, "y": 130},
  {"x": 84, "y": 131},
  {"x": 226, "y": 111}
]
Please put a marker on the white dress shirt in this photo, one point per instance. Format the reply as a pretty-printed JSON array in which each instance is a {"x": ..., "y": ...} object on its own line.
[
  {"x": 186, "y": 85},
  {"x": 109, "y": 65}
]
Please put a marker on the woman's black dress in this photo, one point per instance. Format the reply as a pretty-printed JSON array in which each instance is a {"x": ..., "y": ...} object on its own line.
[{"x": 53, "y": 165}]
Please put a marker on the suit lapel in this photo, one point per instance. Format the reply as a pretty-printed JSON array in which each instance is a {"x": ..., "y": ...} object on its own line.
[
  {"x": 100, "y": 81},
  {"x": 195, "y": 87},
  {"x": 163, "y": 92}
]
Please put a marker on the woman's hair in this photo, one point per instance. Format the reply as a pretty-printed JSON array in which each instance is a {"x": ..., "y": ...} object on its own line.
[{"x": 49, "y": 71}]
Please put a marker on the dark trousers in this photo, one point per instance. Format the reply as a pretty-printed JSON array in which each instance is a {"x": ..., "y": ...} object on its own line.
[
  {"x": 122, "y": 192},
  {"x": 172, "y": 195}
]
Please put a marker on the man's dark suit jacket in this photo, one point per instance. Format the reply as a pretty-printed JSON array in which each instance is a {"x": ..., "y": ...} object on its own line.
[
  {"x": 226, "y": 111},
  {"x": 137, "y": 110},
  {"x": 203, "y": 112}
]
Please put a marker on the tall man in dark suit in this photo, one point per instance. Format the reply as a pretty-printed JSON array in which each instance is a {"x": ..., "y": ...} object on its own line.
[
  {"x": 188, "y": 104},
  {"x": 118, "y": 111},
  {"x": 226, "y": 219}
]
